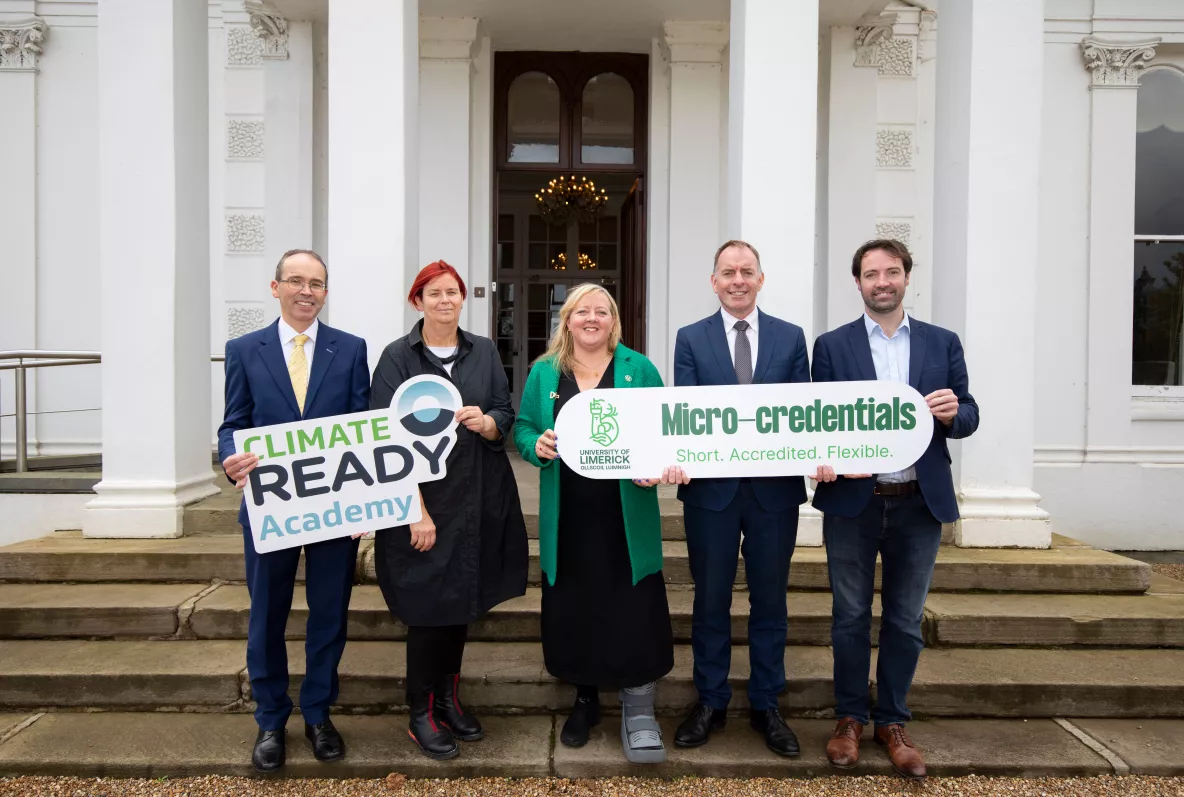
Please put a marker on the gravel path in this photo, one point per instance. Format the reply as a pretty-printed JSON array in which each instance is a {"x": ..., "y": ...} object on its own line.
[
  {"x": 1171, "y": 571},
  {"x": 614, "y": 787}
]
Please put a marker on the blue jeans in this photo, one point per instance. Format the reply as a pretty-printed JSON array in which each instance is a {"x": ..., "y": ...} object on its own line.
[
  {"x": 905, "y": 535},
  {"x": 714, "y": 546}
]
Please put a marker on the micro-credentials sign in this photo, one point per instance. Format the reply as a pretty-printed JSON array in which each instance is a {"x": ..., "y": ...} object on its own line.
[
  {"x": 324, "y": 478},
  {"x": 750, "y": 430}
]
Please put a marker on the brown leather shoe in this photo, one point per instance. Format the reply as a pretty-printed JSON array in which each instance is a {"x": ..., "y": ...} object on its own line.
[
  {"x": 906, "y": 759},
  {"x": 843, "y": 747}
]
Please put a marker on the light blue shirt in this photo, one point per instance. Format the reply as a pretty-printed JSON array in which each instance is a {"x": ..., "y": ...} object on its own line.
[{"x": 890, "y": 355}]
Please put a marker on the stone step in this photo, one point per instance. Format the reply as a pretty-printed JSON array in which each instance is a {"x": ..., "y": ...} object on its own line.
[
  {"x": 202, "y": 611},
  {"x": 1068, "y": 568},
  {"x": 129, "y": 745},
  {"x": 509, "y": 678}
]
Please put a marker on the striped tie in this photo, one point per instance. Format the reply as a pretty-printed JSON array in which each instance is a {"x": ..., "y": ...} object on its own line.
[{"x": 298, "y": 371}]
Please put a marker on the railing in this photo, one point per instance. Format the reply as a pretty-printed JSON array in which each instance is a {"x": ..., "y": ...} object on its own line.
[{"x": 21, "y": 361}]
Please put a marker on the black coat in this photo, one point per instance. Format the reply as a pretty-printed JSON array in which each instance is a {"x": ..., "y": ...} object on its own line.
[{"x": 480, "y": 556}]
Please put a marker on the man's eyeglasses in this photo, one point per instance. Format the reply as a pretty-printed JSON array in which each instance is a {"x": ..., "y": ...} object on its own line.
[{"x": 297, "y": 284}]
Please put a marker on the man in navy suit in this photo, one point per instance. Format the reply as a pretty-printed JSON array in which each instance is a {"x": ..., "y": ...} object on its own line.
[
  {"x": 294, "y": 368},
  {"x": 895, "y": 515},
  {"x": 740, "y": 345}
]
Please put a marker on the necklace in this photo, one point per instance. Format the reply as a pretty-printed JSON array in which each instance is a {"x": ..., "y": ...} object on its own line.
[{"x": 597, "y": 369}]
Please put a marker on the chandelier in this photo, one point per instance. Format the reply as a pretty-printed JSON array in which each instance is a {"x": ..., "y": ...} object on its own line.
[
  {"x": 583, "y": 261},
  {"x": 568, "y": 200}
]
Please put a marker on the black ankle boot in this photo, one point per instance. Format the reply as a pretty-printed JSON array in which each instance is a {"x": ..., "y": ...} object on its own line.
[
  {"x": 434, "y": 739},
  {"x": 585, "y": 714},
  {"x": 451, "y": 714}
]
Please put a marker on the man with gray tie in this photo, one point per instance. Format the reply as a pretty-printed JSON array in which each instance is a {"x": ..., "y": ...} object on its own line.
[{"x": 740, "y": 345}]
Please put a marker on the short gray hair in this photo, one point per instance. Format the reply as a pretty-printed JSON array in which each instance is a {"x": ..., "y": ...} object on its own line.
[
  {"x": 729, "y": 245},
  {"x": 279, "y": 267}
]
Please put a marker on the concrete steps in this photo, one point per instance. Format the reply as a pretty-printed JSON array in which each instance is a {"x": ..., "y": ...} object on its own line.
[
  {"x": 126, "y": 745},
  {"x": 1064, "y": 568},
  {"x": 509, "y": 678},
  {"x": 221, "y": 611}
]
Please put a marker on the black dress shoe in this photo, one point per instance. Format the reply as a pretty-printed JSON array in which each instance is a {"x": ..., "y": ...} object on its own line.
[
  {"x": 585, "y": 714},
  {"x": 778, "y": 737},
  {"x": 452, "y": 715},
  {"x": 327, "y": 744},
  {"x": 697, "y": 727},
  {"x": 269, "y": 752}
]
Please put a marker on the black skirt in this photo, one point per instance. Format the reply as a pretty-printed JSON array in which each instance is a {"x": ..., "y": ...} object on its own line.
[{"x": 598, "y": 627}]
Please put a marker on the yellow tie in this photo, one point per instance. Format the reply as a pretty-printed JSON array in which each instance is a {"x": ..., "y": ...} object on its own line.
[{"x": 298, "y": 371}]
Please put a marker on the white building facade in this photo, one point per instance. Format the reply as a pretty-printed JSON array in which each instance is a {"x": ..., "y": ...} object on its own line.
[{"x": 159, "y": 155}]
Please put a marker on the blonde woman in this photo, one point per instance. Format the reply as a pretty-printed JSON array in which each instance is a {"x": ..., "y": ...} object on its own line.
[{"x": 606, "y": 622}]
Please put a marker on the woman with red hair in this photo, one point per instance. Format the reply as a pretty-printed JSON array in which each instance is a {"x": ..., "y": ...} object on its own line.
[{"x": 468, "y": 553}]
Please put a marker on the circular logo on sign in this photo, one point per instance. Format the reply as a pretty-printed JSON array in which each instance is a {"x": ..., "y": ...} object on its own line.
[{"x": 426, "y": 408}]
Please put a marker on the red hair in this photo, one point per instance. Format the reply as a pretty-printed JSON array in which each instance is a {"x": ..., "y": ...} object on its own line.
[{"x": 430, "y": 272}]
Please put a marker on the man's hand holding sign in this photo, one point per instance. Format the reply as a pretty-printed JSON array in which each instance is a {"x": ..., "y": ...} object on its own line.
[{"x": 323, "y": 478}]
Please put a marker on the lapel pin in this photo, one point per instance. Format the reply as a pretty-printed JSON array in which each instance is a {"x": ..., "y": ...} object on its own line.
[
  {"x": 628, "y": 378},
  {"x": 554, "y": 395}
]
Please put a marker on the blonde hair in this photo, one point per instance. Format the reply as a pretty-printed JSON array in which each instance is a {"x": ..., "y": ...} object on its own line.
[{"x": 562, "y": 349}]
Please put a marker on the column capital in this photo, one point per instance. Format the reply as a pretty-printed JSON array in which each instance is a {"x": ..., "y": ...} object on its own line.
[
  {"x": 1115, "y": 63},
  {"x": 869, "y": 32},
  {"x": 695, "y": 42},
  {"x": 443, "y": 39},
  {"x": 270, "y": 27},
  {"x": 20, "y": 44}
]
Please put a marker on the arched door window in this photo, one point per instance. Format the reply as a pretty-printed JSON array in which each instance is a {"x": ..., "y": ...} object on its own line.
[
  {"x": 533, "y": 119},
  {"x": 1158, "y": 340},
  {"x": 606, "y": 120}
]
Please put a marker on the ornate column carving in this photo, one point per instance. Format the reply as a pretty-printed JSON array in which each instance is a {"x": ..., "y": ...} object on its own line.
[
  {"x": 1115, "y": 63},
  {"x": 868, "y": 35},
  {"x": 20, "y": 44},
  {"x": 271, "y": 28}
]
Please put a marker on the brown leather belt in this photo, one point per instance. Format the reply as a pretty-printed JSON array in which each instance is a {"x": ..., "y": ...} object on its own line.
[{"x": 895, "y": 488}]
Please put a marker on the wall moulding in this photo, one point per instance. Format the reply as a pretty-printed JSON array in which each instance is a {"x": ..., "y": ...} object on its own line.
[
  {"x": 869, "y": 36},
  {"x": 1060, "y": 456},
  {"x": 270, "y": 28},
  {"x": 20, "y": 44},
  {"x": 244, "y": 139},
  {"x": 696, "y": 42},
  {"x": 243, "y": 47},
  {"x": 894, "y": 148},
  {"x": 245, "y": 233},
  {"x": 1115, "y": 63},
  {"x": 442, "y": 39},
  {"x": 899, "y": 229},
  {"x": 242, "y": 318}
]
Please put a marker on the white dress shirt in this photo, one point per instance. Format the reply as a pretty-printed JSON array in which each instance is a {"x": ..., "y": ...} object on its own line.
[
  {"x": 731, "y": 333},
  {"x": 288, "y": 340},
  {"x": 890, "y": 355}
]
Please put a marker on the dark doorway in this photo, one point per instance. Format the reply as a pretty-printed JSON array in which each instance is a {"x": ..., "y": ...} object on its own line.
[{"x": 568, "y": 126}]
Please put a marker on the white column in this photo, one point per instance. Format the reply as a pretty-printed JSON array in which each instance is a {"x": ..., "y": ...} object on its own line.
[
  {"x": 1115, "y": 66},
  {"x": 23, "y": 37},
  {"x": 477, "y": 309},
  {"x": 696, "y": 156},
  {"x": 373, "y": 225},
  {"x": 153, "y": 258},
  {"x": 772, "y": 140},
  {"x": 986, "y": 254},
  {"x": 287, "y": 131},
  {"x": 445, "y": 106},
  {"x": 851, "y": 162}
]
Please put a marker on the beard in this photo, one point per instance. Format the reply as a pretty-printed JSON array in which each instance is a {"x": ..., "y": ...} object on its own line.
[{"x": 883, "y": 304}]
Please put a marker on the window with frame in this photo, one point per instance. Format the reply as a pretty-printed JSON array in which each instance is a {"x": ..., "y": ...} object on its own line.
[{"x": 1158, "y": 340}]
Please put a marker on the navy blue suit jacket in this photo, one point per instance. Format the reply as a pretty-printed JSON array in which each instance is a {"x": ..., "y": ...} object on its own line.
[
  {"x": 702, "y": 357},
  {"x": 259, "y": 390},
  {"x": 936, "y": 361}
]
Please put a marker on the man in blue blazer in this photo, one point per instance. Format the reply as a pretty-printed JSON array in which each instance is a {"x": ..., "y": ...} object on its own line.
[
  {"x": 740, "y": 345},
  {"x": 294, "y": 368},
  {"x": 897, "y": 516}
]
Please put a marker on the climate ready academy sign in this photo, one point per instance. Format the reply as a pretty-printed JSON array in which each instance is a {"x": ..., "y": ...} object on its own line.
[
  {"x": 754, "y": 430},
  {"x": 332, "y": 477}
]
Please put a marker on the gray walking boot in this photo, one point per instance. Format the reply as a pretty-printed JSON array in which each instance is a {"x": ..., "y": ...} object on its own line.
[{"x": 640, "y": 734}]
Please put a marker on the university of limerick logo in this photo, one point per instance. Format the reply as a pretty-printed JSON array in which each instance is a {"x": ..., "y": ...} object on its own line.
[{"x": 604, "y": 422}]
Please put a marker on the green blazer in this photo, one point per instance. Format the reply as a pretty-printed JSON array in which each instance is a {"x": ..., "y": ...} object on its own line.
[{"x": 643, "y": 525}]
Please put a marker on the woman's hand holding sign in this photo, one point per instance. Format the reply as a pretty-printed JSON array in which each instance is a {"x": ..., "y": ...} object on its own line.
[
  {"x": 826, "y": 473},
  {"x": 672, "y": 474},
  {"x": 547, "y": 446},
  {"x": 476, "y": 421},
  {"x": 238, "y": 466}
]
